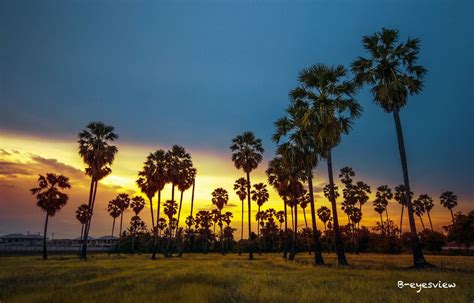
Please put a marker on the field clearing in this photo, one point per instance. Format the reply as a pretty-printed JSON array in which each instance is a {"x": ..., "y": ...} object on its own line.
[{"x": 230, "y": 278}]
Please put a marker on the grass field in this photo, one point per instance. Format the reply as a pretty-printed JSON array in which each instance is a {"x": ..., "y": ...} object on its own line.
[{"x": 230, "y": 278}]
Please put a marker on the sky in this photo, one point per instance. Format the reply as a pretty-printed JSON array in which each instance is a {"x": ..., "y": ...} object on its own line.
[{"x": 197, "y": 73}]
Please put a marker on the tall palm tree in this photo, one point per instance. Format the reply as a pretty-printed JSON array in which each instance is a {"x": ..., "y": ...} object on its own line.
[
  {"x": 114, "y": 211},
  {"x": 170, "y": 209},
  {"x": 240, "y": 187},
  {"x": 428, "y": 205},
  {"x": 259, "y": 195},
  {"x": 392, "y": 71},
  {"x": 419, "y": 209},
  {"x": 400, "y": 197},
  {"x": 177, "y": 159},
  {"x": 247, "y": 153},
  {"x": 98, "y": 154},
  {"x": 449, "y": 200},
  {"x": 50, "y": 198},
  {"x": 220, "y": 197},
  {"x": 187, "y": 176},
  {"x": 332, "y": 111},
  {"x": 300, "y": 133},
  {"x": 152, "y": 179},
  {"x": 383, "y": 196}
]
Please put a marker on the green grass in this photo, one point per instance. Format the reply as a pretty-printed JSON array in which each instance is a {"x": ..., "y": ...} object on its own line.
[{"x": 230, "y": 278}]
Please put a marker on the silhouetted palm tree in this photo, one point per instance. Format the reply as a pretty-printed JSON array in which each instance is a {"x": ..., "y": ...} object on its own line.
[
  {"x": 393, "y": 73},
  {"x": 137, "y": 204},
  {"x": 50, "y": 198},
  {"x": 383, "y": 196},
  {"x": 428, "y": 205},
  {"x": 187, "y": 176},
  {"x": 449, "y": 200},
  {"x": 220, "y": 197},
  {"x": 83, "y": 214},
  {"x": 177, "y": 158},
  {"x": 259, "y": 195},
  {"x": 98, "y": 155},
  {"x": 203, "y": 222},
  {"x": 170, "y": 209},
  {"x": 300, "y": 133},
  {"x": 400, "y": 197},
  {"x": 123, "y": 202},
  {"x": 247, "y": 153},
  {"x": 240, "y": 187},
  {"x": 419, "y": 208},
  {"x": 332, "y": 111},
  {"x": 324, "y": 215},
  {"x": 304, "y": 200},
  {"x": 114, "y": 211}
]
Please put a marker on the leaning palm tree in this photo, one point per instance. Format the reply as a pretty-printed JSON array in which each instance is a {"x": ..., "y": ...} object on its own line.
[
  {"x": 300, "y": 133},
  {"x": 428, "y": 205},
  {"x": 240, "y": 187},
  {"x": 98, "y": 154},
  {"x": 259, "y": 195},
  {"x": 186, "y": 179},
  {"x": 420, "y": 210},
  {"x": 114, "y": 211},
  {"x": 220, "y": 197},
  {"x": 247, "y": 153},
  {"x": 449, "y": 200},
  {"x": 332, "y": 110},
  {"x": 400, "y": 197},
  {"x": 392, "y": 71},
  {"x": 50, "y": 198}
]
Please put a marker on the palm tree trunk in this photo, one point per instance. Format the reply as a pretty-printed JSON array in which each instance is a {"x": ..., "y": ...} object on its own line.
[
  {"x": 318, "y": 257},
  {"x": 339, "y": 245},
  {"x": 401, "y": 220},
  {"x": 80, "y": 245},
  {"x": 250, "y": 219},
  {"x": 172, "y": 192},
  {"x": 258, "y": 223},
  {"x": 386, "y": 212},
  {"x": 179, "y": 210},
  {"x": 285, "y": 249},
  {"x": 113, "y": 227},
  {"x": 381, "y": 220},
  {"x": 153, "y": 226},
  {"x": 45, "y": 253},
  {"x": 429, "y": 218},
  {"x": 307, "y": 230},
  {"x": 295, "y": 232},
  {"x": 222, "y": 234},
  {"x": 422, "y": 224},
  {"x": 418, "y": 257},
  {"x": 241, "y": 229},
  {"x": 120, "y": 233},
  {"x": 155, "y": 229},
  {"x": 452, "y": 216},
  {"x": 83, "y": 240}
]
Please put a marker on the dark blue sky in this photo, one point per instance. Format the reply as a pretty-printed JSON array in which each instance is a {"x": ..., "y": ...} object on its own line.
[{"x": 198, "y": 72}]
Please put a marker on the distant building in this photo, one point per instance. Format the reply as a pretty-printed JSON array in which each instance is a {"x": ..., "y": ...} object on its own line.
[{"x": 21, "y": 239}]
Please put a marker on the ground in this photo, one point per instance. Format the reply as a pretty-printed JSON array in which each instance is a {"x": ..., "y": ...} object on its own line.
[{"x": 230, "y": 278}]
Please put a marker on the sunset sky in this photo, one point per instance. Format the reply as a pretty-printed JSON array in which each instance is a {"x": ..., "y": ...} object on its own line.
[{"x": 197, "y": 73}]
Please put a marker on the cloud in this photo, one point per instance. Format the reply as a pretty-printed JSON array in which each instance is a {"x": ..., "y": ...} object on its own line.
[
  {"x": 11, "y": 169},
  {"x": 4, "y": 152},
  {"x": 57, "y": 166}
]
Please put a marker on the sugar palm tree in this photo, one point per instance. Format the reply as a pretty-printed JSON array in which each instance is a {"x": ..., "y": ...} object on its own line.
[
  {"x": 177, "y": 159},
  {"x": 240, "y": 187},
  {"x": 83, "y": 214},
  {"x": 114, "y": 211},
  {"x": 332, "y": 111},
  {"x": 428, "y": 205},
  {"x": 419, "y": 208},
  {"x": 137, "y": 203},
  {"x": 50, "y": 198},
  {"x": 300, "y": 133},
  {"x": 187, "y": 176},
  {"x": 152, "y": 179},
  {"x": 220, "y": 197},
  {"x": 449, "y": 200},
  {"x": 98, "y": 154},
  {"x": 392, "y": 72},
  {"x": 400, "y": 197},
  {"x": 123, "y": 202},
  {"x": 170, "y": 209},
  {"x": 383, "y": 196},
  {"x": 247, "y": 153},
  {"x": 304, "y": 200},
  {"x": 259, "y": 195},
  {"x": 324, "y": 215}
]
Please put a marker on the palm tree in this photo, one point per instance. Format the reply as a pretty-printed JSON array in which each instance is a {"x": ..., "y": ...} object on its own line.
[
  {"x": 259, "y": 195},
  {"x": 123, "y": 202},
  {"x": 187, "y": 176},
  {"x": 383, "y": 196},
  {"x": 324, "y": 215},
  {"x": 332, "y": 111},
  {"x": 114, "y": 211},
  {"x": 220, "y": 197},
  {"x": 300, "y": 133},
  {"x": 428, "y": 205},
  {"x": 304, "y": 200},
  {"x": 449, "y": 200},
  {"x": 152, "y": 179},
  {"x": 393, "y": 73},
  {"x": 240, "y": 187},
  {"x": 170, "y": 209},
  {"x": 83, "y": 214},
  {"x": 137, "y": 204},
  {"x": 247, "y": 153},
  {"x": 203, "y": 221},
  {"x": 400, "y": 197},
  {"x": 50, "y": 198},
  {"x": 419, "y": 208},
  {"x": 177, "y": 159},
  {"x": 98, "y": 154}
]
